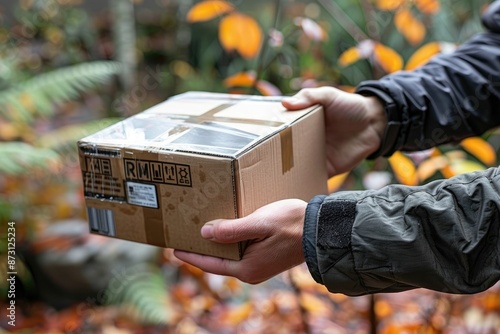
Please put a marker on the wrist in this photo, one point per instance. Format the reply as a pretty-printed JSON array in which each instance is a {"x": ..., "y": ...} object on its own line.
[{"x": 377, "y": 122}]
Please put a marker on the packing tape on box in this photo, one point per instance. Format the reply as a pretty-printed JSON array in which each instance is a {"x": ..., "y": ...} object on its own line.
[{"x": 286, "y": 135}]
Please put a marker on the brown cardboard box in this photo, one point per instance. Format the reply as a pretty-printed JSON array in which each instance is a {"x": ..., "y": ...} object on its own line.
[{"x": 158, "y": 176}]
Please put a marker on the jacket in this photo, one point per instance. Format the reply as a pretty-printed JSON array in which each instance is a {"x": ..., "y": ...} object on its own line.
[{"x": 444, "y": 235}]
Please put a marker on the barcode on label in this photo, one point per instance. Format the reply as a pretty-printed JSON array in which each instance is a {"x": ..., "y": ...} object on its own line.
[{"x": 101, "y": 221}]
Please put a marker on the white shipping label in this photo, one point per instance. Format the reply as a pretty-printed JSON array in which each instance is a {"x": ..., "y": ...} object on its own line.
[{"x": 142, "y": 194}]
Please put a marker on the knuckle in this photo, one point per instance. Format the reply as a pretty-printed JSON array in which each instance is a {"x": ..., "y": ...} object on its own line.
[{"x": 307, "y": 93}]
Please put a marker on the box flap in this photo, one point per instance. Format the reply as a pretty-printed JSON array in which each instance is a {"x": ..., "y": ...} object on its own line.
[{"x": 202, "y": 123}]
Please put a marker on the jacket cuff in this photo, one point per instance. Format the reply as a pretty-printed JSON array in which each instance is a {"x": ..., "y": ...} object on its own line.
[
  {"x": 335, "y": 257},
  {"x": 394, "y": 131},
  {"x": 327, "y": 240},
  {"x": 310, "y": 235}
]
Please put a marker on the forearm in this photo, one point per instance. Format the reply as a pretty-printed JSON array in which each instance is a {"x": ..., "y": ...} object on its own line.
[{"x": 442, "y": 236}]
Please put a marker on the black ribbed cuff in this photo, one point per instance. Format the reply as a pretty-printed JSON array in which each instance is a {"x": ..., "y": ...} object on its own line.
[{"x": 309, "y": 236}]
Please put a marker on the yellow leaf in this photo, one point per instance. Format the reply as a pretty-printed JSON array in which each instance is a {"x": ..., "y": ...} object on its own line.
[
  {"x": 241, "y": 79},
  {"x": 349, "y": 56},
  {"x": 313, "y": 304},
  {"x": 207, "y": 10},
  {"x": 389, "y": 59},
  {"x": 247, "y": 79},
  {"x": 240, "y": 32},
  {"x": 455, "y": 155},
  {"x": 335, "y": 182},
  {"x": 428, "y": 6},
  {"x": 389, "y": 4},
  {"x": 411, "y": 28},
  {"x": 27, "y": 102},
  {"x": 302, "y": 279},
  {"x": 429, "y": 167},
  {"x": 403, "y": 169},
  {"x": 8, "y": 131},
  {"x": 481, "y": 149},
  {"x": 423, "y": 55},
  {"x": 237, "y": 314},
  {"x": 349, "y": 89},
  {"x": 462, "y": 166},
  {"x": 446, "y": 171}
]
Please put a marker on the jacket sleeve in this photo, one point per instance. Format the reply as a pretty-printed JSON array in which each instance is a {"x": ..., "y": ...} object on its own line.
[
  {"x": 442, "y": 236},
  {"x": 452, "y": 97}
]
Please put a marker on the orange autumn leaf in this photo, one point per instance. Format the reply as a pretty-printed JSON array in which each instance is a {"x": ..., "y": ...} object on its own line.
[
  {"x": 411, "y": 28},
  {"x": 313, "y": 304},
  {"x": 491, "y": 302},
  {"x": 387, "y": 58},
  {"x": 429, "y": 167},
  {"x": 446, "y": 170},
  {"x": 349, "y": 56},
  {"x": 348, "y": 89},
  {"x": 383, "y": 308},
  {"x": 8, "y": 131},
  {"x": 238, "y": 314},
  {"x": 428, "y": 6},
  {"x": 423, "y": 55},
  {"x": 240, "y": 79},
  {"x": 397, "y": 328},
  {"x": 481, "y": 149},
  {"x": 389, "y": 4},
  {"x": 207, "y": 10},
  {"x": 303, "y": 280},
  {"x": 403, "y": 169},
  {"x": 241, "y": 33},
  {"x": 247, "y": 79},
  {"x": 335, "y": 182}
]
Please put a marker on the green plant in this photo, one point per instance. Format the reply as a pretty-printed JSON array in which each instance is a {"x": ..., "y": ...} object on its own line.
[
  {"x": 143, "y": 293},
  {"x": 37, "y": 163}
]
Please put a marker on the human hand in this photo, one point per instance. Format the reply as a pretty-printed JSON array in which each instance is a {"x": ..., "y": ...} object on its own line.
[
  {"x": 275, "y": 242},
  {"x": 354, "y": 124}
]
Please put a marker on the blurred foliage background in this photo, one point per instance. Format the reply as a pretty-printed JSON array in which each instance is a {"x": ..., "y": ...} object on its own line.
[{"x": 71, "y": 67}]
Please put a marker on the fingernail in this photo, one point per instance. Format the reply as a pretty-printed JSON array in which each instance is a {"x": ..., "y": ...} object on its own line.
[{"x": 207, "y": 231}]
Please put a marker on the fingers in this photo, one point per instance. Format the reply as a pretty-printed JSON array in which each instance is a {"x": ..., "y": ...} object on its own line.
[
  {"x": 310, "y": 96},
  {"x": 210, "y": 264},
  {"x": 233, "y": 230}
]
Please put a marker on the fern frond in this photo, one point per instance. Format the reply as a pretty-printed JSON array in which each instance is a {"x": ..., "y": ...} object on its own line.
[
  {"x": 63, "y": 140},
  {"x": 144, "y": 294},
  {"x": 8, "y": 70},
  {"x": 38, "y": 95},
  {"x": 18, "y": 157}
]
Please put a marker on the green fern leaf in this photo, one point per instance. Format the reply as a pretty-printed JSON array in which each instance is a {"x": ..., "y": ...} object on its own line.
[
  {"x": 18, "y": 157},
  {"x": 63, "y": 140},
  {"x": 144, "y": 294},
  {"x": 42, "y": 92}
]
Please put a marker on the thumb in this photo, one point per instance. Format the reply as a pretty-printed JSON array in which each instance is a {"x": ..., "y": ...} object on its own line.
[
  {"x": 232, "y": 230},
  {"x": 310, "y": 96}
]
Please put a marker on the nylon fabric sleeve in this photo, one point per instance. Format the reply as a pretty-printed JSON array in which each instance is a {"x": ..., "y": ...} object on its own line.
[
  {"x": 452, "y": 97},
  {"x": 442, "y": 236},
  {"x": 309, "y": 236}
]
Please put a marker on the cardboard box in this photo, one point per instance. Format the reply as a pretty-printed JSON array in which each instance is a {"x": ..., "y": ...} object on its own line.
[{"x": 158, "y": 176}]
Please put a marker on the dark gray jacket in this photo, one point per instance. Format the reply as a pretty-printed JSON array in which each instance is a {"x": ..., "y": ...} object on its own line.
[{"x": 443, "y": 235}]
